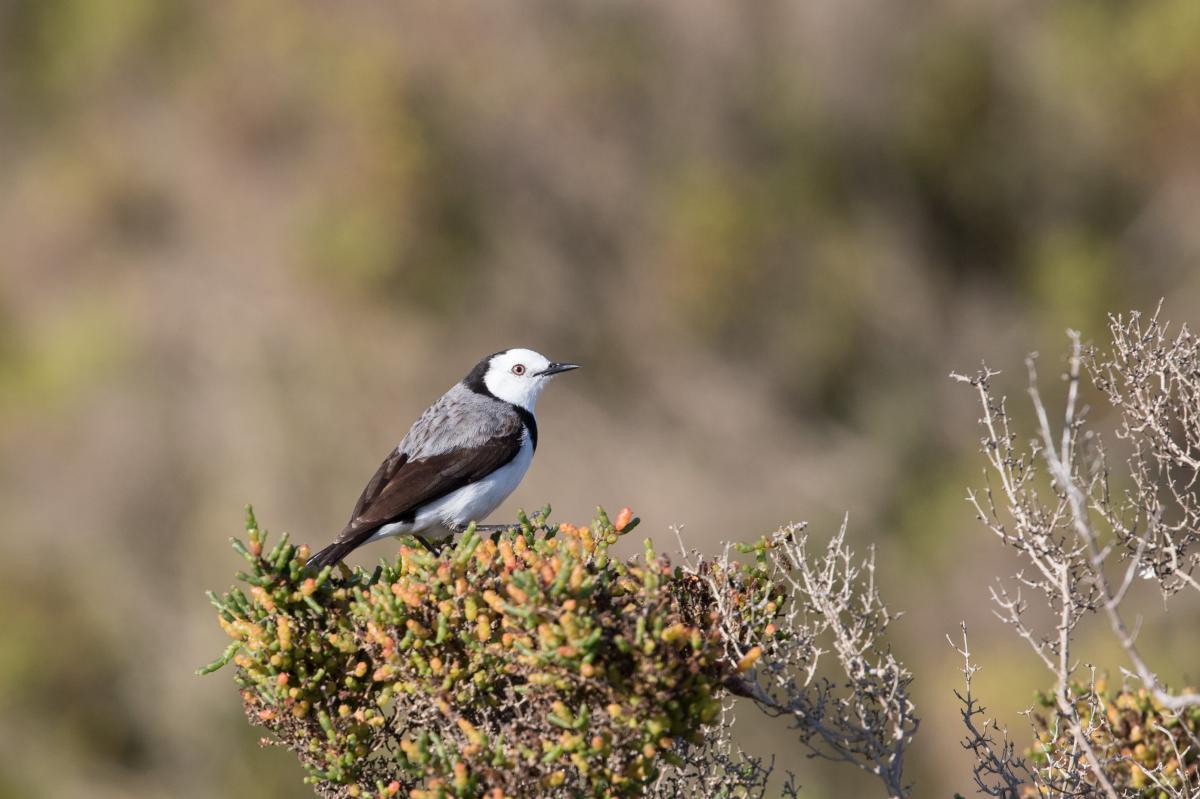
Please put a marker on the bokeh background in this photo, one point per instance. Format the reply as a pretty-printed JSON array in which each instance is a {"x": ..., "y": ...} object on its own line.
[{"x": 243, "y": 244}]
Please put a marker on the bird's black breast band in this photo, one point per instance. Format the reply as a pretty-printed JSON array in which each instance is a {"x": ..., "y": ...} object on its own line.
[{"x": 530, "y": 424}]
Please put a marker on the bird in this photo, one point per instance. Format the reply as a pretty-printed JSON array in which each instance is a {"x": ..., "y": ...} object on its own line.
[{"x": 462, "y": 457}]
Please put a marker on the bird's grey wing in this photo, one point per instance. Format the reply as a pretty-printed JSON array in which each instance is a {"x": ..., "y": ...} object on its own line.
[
  {"x": 460, "y": 439},
  {"x": 414, "y": 482},
  {"x": 458, "y": 420}
]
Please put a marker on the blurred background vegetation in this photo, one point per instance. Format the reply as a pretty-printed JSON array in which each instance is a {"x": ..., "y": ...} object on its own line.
[{"x": 245, "y": 243}]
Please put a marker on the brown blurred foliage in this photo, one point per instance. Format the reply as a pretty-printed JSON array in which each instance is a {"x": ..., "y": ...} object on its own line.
[{"x": 244, "y": 244}]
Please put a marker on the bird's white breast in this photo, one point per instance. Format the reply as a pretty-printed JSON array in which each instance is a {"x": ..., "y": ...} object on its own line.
[{"x": 471, "y": 503}]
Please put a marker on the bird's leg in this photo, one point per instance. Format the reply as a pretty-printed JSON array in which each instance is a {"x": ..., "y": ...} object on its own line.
[
  {"x": 480, "y": 528},
  {"x": 432, "y": 550}
]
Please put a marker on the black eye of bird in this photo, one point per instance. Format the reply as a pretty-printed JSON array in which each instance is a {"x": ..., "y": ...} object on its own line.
[{"x": 519, "y": 369}]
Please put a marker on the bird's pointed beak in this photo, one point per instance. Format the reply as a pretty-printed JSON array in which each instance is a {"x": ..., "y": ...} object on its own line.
[{"x": 555, "y": 368}]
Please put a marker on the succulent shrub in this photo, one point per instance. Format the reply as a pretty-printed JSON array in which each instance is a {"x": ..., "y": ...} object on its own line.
[
  {"x": 1147, "y": 749},
  {"x": 527, "y": 663}
]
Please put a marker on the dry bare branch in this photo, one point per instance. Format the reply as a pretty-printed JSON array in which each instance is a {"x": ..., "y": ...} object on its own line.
[{"x": 1083, "y": 547}]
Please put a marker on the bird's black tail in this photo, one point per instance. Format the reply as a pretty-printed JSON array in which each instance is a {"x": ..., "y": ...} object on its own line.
[{"x": 331, "y": 554}]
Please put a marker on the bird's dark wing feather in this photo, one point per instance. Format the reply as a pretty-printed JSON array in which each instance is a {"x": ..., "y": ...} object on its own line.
[
  {"x": 401, "y": 486},
  {"x": 419, "y": 482},
  {"x": 383, "y": 475}
]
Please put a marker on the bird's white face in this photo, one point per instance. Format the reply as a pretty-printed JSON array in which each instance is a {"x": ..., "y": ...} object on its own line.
[{"x": 519, "y": 375}]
